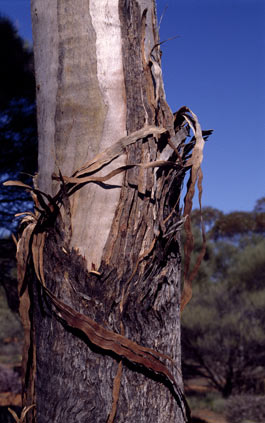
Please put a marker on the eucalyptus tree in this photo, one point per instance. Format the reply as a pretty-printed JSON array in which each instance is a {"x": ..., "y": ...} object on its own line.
[{"x": 102, "y": 316}]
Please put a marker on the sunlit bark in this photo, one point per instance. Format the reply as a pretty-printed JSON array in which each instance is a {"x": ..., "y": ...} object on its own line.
[{"x": 96, "y": 84}]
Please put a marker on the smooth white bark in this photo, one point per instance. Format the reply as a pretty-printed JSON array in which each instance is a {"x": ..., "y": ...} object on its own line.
[
  {"x": 81, "y": 106},
  {"x": 105, "y": 20}
]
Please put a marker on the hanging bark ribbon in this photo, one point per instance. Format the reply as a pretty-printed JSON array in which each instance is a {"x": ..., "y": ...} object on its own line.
[
  {"x": 196, "y": 176},
  {"x": 33, "y": 240}
]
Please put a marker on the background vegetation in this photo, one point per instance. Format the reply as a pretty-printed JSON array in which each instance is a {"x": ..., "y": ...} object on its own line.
[
  {"x": 18, "y": 129},
  {"x": 223, "y": 328}
]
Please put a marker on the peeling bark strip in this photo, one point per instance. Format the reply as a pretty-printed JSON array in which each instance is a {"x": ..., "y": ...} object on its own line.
[
  {"x": 113, "y": 342},
  {"x": 23, "y": 413},
  {"x": 35, "y": 234},
  {"x": 195, "y": 176}
]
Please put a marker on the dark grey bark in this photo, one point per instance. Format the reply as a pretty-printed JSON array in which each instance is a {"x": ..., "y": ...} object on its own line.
[{"x": 140, "y": 262}]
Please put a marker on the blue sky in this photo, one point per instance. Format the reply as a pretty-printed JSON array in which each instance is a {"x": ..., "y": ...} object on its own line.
[{"x": 216, "y": 67}]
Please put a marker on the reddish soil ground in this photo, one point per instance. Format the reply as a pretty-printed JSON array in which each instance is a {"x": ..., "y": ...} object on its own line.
[{"x": 207, "y": 416}]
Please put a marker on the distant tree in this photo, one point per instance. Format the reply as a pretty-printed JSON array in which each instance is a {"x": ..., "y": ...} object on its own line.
[
  {"x": 223, "y": 338},
  {"x": 210, "y": 216},
  {"x": 260, "y": 205},
  {"x": 238, "y": 223},
  {"x": 222, "y": 329},
  {"x": 16, "y": 71},
  {"x": 18, "y": 133},
  {"x": 247, "y": 267}
]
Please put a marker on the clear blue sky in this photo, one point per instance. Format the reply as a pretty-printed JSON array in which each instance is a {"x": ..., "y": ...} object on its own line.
[{"x": 217, "y": 68}]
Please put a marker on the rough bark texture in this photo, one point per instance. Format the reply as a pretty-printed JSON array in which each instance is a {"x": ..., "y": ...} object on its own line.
[{"x": 121, "y": 231}]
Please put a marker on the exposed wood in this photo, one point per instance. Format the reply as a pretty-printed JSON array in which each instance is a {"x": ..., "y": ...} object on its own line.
[{"x": 81, "y": 105}]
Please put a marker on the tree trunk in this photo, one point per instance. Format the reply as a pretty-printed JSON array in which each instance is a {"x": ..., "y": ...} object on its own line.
[{"x": 109, "y": 251}]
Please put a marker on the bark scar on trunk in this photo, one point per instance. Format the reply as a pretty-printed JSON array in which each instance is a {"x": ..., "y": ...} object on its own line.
[{"x": 39, "y": 226}]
